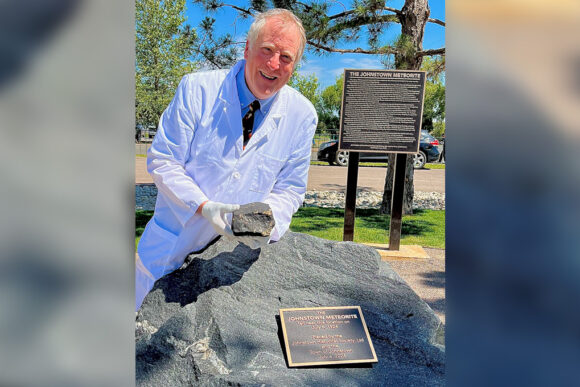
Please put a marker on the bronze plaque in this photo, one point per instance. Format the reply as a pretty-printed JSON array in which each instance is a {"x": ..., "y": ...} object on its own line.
[
  {"x": 381, "y": 111},
  {"x": 327, "y": 335}
]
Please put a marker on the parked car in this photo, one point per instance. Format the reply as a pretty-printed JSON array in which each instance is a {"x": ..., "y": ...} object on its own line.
[
  {"x": 428, "y": 152},
  {"x": 142, "y": 134},
  {"x": 138, "y": 132}
]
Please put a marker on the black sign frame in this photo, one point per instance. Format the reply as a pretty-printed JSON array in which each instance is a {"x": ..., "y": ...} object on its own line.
[
  {"x": 321, "y": 336},
  {"x": 386, "y": 76}
]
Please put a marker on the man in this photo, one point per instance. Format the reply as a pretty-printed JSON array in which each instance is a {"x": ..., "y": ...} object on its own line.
[{"x": 229, "y": 138}]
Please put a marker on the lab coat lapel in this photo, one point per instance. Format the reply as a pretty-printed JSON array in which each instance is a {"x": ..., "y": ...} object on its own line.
[
  {"x": 230, "y": 104},
  {"x": 272, "y": 120}
]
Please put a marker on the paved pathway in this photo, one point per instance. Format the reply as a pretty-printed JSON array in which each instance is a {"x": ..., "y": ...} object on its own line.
[
  {"x": 426, "y": 276},
  {"x": 333, "y": 178}
]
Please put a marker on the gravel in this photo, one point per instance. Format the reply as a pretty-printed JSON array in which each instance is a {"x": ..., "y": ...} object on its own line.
[
  {"x": 145, "y": 195},
  {"x": 371, "y": 199}
]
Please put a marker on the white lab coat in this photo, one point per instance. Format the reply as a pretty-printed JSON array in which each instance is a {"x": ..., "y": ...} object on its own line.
[{"x": 197, "y": 155}]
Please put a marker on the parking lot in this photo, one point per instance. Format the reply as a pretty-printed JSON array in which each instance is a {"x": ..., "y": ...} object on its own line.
[{"x": 333, "y": 178}]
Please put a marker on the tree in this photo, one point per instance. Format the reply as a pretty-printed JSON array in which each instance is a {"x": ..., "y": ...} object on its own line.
[
  {"x": 336, "y": 32},
  {"x": 434, "y": 106},
  {"x": 164, "y": 47},
  {"x": 331, "y": 103},
  {"x": 413, "y": 17},
  {"x": 307, "y": 86}
]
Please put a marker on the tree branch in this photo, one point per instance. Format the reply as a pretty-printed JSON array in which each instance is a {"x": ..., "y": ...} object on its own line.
[
  {"x": 393, "y": 10},
  {"x": 436, "y": 21},
  {"x": 359, "y": 21},
  {"x": 381, "y": 51},
  {"x": 342, "y": 14},
  {"x": 242, "y": 10},
  {"x": 358, "y": 50},
  {"x": 437, "y": 51}
]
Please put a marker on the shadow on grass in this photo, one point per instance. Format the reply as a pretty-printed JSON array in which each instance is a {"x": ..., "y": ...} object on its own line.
[
  {"x": 314, "y": 218},
  {"x": 412, "y": 224}
]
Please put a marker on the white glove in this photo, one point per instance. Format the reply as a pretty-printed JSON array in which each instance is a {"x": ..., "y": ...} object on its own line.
[
  {"x": 254, "y": 242},
  {"x": 215, "y": 213}
]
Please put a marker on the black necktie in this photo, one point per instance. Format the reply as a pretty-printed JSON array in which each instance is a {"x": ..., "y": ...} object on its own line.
[{"x": 248, "y": 121}]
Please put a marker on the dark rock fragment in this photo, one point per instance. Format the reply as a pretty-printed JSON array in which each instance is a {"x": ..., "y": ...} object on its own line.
[{"x": 253, "y": 219}]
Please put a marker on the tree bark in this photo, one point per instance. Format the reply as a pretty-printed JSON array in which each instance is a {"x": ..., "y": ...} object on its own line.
[{"x": 413, "y": 17}]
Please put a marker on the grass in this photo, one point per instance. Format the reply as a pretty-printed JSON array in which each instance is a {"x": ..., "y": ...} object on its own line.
[
  {"x": 425, "y": 227},
  {"x": 435, "y": 166}
]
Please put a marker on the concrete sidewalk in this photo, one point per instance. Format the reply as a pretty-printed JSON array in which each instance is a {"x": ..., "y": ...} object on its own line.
[{"x": 426, "y": 276}]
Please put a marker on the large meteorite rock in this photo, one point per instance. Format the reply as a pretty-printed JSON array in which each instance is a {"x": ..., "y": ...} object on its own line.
[
  {"x": 253, "y": 219},
  {"x": 214, "y": 321}
]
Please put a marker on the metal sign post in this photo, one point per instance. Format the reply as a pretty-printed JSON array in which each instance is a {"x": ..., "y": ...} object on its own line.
[
  {"x": 381, "y": 113},
  {"x": 397, "y": 202},
  {"x": 350, "y": 203}
]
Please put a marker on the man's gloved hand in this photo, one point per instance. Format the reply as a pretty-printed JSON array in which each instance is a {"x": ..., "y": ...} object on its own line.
[
  {"x": 254, "y": 242},
  {"x": 215, "y": 213}
]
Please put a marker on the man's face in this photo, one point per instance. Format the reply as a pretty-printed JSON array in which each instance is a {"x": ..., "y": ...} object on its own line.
[{"x": 270, "y": 60}]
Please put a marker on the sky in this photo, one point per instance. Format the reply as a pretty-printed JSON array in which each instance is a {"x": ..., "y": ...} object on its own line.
[{"x": 325, "y": 67}]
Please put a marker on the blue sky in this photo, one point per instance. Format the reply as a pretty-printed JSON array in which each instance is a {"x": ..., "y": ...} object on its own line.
[{"x": 327, "y": 67}]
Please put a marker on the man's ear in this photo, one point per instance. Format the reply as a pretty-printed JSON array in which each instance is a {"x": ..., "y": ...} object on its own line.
[{"x": 246, "y": 49}]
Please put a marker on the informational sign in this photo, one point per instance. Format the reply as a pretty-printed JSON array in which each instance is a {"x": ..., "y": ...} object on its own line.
[
  {"x": 381, "y": 111},
  {"x": 321, "y": 336}
]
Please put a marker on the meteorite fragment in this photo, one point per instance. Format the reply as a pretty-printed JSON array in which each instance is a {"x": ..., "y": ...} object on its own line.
[{"x": 253, "y": 219}]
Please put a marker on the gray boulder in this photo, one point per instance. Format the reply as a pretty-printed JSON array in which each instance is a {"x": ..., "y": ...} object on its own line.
[{"x": 215, "y": 322}]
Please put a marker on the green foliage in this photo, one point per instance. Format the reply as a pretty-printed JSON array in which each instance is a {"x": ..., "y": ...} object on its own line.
[
  {"x": 307, "y": 86},
  {"x": 434, "y": 106},
  {"x": 332, "y": 96},
  {"x": 216, "y": 52},
  {"x": 331, "y": 102},
  {"x": 310, "y": 88},
  {"x": 164, "y": 46},
  {"x": 406, "y": 52},
  {"x": 438, "y": 129}
]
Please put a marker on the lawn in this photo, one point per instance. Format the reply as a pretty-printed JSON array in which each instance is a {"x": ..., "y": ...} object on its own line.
[{"x": 425, "y": 227}]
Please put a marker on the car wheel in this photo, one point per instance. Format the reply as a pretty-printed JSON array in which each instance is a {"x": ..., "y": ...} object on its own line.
[
  {"x": 341, "y": 158},
  {"x": 419, "y": 160}
]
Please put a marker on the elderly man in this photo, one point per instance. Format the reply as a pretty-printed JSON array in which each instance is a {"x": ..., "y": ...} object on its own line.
[{"x": 229, "y": 138}]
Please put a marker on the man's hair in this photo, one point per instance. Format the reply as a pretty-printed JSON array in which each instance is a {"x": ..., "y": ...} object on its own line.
[{"x": 286, "y": 17}]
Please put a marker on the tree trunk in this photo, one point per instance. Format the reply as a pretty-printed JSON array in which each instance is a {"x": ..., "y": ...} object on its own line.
[{"x": 413, "y": 18}]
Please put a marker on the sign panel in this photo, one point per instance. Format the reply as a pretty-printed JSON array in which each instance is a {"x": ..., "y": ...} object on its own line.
[
  {"x": 332, "y": 335},
  {"x": 381, "y": 111}
]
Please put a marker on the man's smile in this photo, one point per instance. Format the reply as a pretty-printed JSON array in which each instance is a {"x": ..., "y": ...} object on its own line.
[{"x": 268, "y": 77}]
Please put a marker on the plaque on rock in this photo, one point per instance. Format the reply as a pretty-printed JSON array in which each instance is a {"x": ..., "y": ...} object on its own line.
[
  {"x": 381, "y": 111},
  {"x": 326, "y": 335},
  {"x": 253, "y": 219}
]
